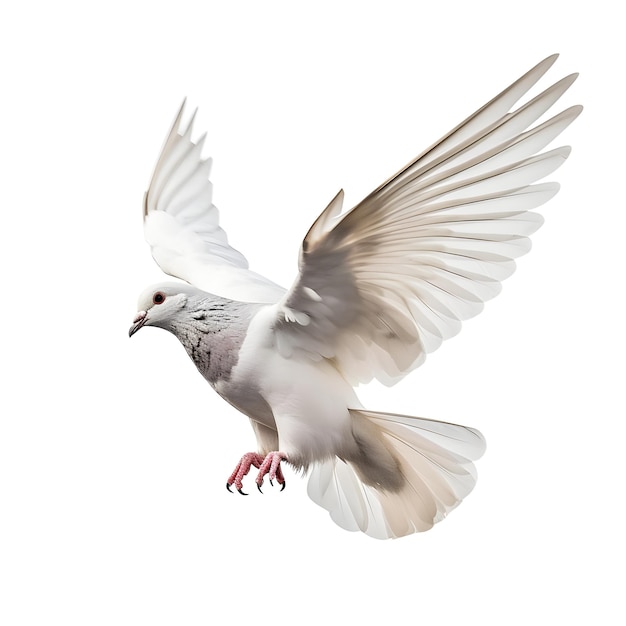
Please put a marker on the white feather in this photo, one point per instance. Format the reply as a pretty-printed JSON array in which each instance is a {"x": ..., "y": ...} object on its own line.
[
  {"x": 181, "y": 224},
  {"x": 436, "y": 458}
]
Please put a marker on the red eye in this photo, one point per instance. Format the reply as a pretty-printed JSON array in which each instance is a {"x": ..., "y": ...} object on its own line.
[{"x": 158, "y": 297}]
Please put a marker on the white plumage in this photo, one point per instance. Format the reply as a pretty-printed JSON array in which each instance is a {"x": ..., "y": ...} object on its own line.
[{"x": 379, "y": 287}]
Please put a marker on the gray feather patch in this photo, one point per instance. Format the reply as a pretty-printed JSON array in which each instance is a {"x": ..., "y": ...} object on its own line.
[{"x": 212, "y": 330}]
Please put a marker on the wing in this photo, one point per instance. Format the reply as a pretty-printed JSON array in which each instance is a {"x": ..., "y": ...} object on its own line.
[
  {"x": 383, "y": 284},
  {"x": 181, "y": 224}
]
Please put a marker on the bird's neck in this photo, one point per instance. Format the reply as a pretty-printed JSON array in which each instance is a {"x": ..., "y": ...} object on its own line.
[{"x": 212, "y": 332}]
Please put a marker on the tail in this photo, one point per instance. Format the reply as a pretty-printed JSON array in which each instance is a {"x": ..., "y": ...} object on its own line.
[{"x": 406, "y": 474}]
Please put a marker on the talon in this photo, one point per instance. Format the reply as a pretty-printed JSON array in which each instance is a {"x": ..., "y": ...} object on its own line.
[
  {"x": 284, "y": 485},
  {"x": 271, "y": 468},
  {"x": 259, "y": 488},
  {"x": 243, "y": 467}
]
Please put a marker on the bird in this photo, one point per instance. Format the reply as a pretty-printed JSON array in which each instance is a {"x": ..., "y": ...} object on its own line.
[{"x": 379, "y": 286}]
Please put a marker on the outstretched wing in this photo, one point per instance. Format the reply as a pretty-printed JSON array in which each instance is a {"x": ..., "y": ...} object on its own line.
[
  {"x": 181, "y": 224},
  {"x": 383, "y": 284}
]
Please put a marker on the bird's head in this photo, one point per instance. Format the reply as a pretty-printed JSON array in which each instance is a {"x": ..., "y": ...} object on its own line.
[{"x": 159, "y": 304}]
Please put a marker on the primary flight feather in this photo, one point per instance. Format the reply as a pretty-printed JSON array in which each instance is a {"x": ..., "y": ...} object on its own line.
[{"x": 379, "y": 287}]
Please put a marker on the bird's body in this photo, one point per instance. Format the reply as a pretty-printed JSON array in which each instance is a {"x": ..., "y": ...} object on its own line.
[
  {"x": 232, "y": 345},
  {"x": 290, "y": 388},
  {"x": 379, "y": 287}
]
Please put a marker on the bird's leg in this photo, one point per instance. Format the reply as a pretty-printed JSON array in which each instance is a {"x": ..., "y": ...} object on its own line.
[
  {"x": 271, "y": 467},
  {"x": 243, "y": 467}
]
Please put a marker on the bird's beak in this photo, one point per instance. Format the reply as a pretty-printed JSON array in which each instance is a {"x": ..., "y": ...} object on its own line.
[{"x": 140, "y": 319}]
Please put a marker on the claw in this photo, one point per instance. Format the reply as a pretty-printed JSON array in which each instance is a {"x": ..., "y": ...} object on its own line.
[
  {"x": 243, "y": 467},
  {"x": 228, "y": 486},
  {"x": 271, "y": 468},
  {"x": 284, "y": 485},
  {"x": 268, "y": 466}
]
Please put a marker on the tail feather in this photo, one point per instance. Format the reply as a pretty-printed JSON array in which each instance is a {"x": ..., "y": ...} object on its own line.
[{"x": 434, "y": 460}]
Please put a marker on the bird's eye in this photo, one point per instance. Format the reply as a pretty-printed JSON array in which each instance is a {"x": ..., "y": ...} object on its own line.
[{"x": 158, "y": 298}]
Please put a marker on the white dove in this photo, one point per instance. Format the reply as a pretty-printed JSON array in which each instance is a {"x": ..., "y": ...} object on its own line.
[{"x": 379, "y": 287}]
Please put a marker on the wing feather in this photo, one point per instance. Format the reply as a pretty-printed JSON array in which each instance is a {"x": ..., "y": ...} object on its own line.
[
  {"x": 182, "y": 224},
  {"x": 396, "y": 275}
]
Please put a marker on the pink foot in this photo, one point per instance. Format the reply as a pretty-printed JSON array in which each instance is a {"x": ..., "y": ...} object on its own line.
[
  {"x": 243, "y": 467},
  {"x": 271, "y": 468},
  {"x": 268, "y": 466}
]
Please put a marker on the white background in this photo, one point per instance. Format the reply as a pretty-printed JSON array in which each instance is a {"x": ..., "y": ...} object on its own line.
[{"x": 114, "y": 453}]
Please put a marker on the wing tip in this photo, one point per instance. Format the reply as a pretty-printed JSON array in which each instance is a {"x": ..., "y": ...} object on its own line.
[
  {"x": 540, "y": 69},
  {"x": 320, "y": 225},
  {"x": 179, "y": 116},
  {"x": 550, "y": 59}
]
